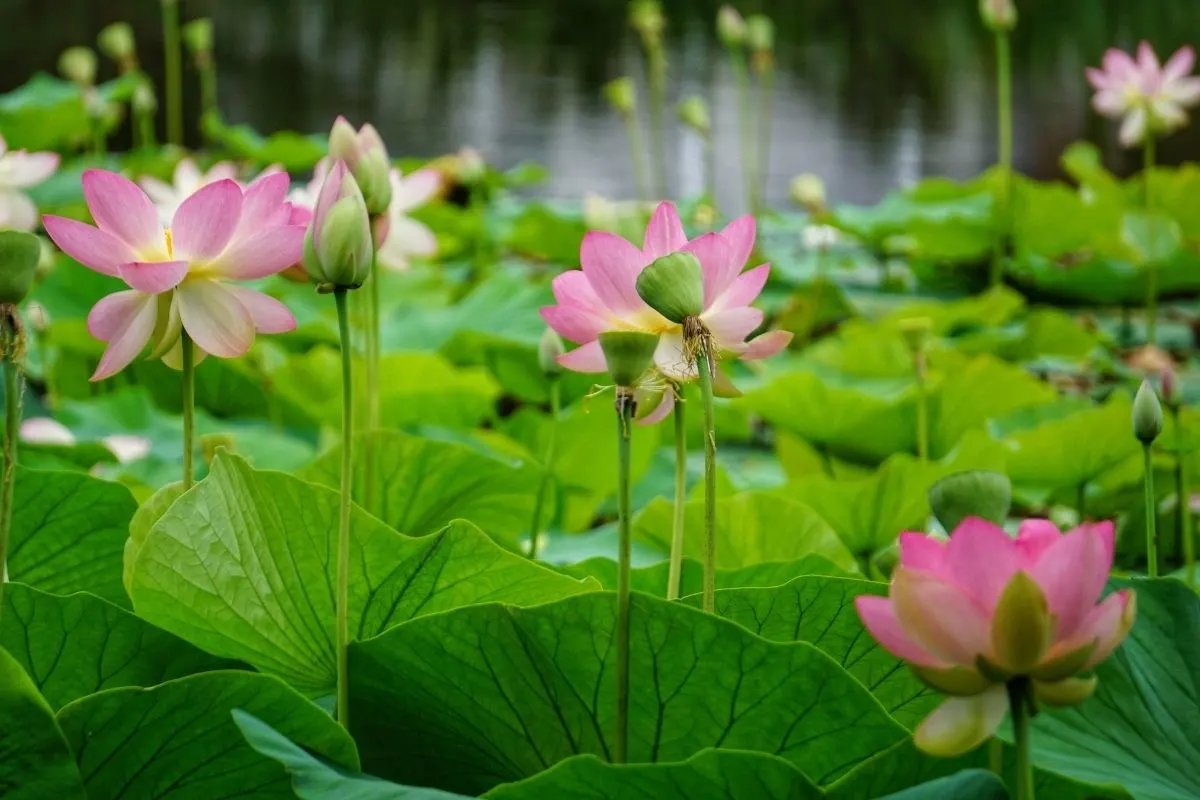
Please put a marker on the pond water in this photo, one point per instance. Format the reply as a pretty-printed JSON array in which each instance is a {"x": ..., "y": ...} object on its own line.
[{"x": 870, "y": 94}]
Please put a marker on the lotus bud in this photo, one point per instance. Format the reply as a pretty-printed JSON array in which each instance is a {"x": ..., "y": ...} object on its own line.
[
  {"x": 916, "y": 332},
  {"x": 621, "y": 95},
  {"x": 338, "y": 250},
  {"x": 78, "y": 65},
  {"x": 646, "y": 17},
  {"x": 144, "y": 101},
  {"x": 998, "y": 15},
  {"x": 693, "y": 112},
  {"x": 673, "y": 286},
  {"x": 731, "y": 28},
  {"x": 19, "y": 256},
  {"x": 1147, "y": 414},
  {"x": 760, "y": 33},
  {"x": 343, "y": 142},
  {"x": 808, "y": 191},
  {"x": 366, "y": 157},
  {"x": 116, "y": 41},
  {"x": 198, "y": 36},
  {"x": 47, "y": 260},
  {"x": 550, "y": 347},
  {"x": 628, "y": 355}
]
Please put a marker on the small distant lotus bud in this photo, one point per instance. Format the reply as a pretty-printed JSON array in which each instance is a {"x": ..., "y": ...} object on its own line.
[
  {"x": 646, "y": 17},
  {"x": 731, "y": 28},
  {"x": 549, "y": 349},
  {"x": 127, "y": 447},
  {"x": 78, "y": 65},
  {"x": 808, "y": 191},
  {"x": 198, "y": 36},
  {"x": 600, "y": 213},
  {"x": 673, "y": 286},
  {"x": 916, "y": 332},
  {"x": 693, "y": 112},
  {"x": 116, "y": 41},
  {"x": 19, "y": 255},
  {"x": 338, "y": 250},
  {"x": 621, "y": 95},
  {"x": 760, "y": 33},
  {"x": 999, "y": 15},
  {"x": 1147, "y": 414},
  {"x": 628, "y": 355},
  {"x": 144, "y": 101},
  {"x": 343, "y": 143},
  {"x": 47, "y": 260}
]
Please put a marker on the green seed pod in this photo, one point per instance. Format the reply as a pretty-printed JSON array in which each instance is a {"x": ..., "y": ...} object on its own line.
[
  {"x": 998, "y": 15},
  {"x": 116, "y": 41},
  {"x": 19, "y": 256},
  {"x": 628, "y": 354},
  {"x": 673, "y": 286},
  {"x": 1147, "y": 414},
  {"x": 808, "y": 192},
  {"x": 549, "y": 349},
  {"x": 78, "y": 65},
  {"x": 621, "y": 95}
]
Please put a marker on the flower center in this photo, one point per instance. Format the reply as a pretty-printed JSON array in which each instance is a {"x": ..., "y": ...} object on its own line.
[{"x": 170, "y": 244}]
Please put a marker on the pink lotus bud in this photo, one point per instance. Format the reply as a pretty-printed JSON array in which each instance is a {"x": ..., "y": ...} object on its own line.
[
  {"x": 366, "y": 156},
  {"x": 338, "y": 251}
]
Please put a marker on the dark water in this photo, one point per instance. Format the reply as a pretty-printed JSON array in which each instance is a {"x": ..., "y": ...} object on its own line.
[{"x": 870, "y": 94}]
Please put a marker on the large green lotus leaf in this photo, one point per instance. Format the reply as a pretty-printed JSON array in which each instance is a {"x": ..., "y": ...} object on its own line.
[
  {"x": 144, "y": 519},
  {"x": 820, "y": 610},
  {"x": 1049, "y": 332},
  {"x": 1053, "y": 220},
  {"x": 653, "y": 579},
  {"x": 1150, "y": 238},
  {"x": 980, "y": 390},
  {"x": 1139, "y": 729},
  {"x": 487, "y": 694},
  {"x": 1103, "y": 280},
  {"x": 35, "y": 761},
  {"x": 178, "y": 739},
  {"x": 48, "y": 113},
  {"x": 751, "y": 528},
  {"x": 1175, "y": 192},
  {"x": 545, "y": 236},
  {"x": 77, "y": 645},
  {"x": 864, "y": 350},
  {"x": 423, "y": 484},
  {"x": 68, "y": 533},
  {"x": 1073, "y": 449},
  {"x": 244, "y": 566},
  {"x": 950, "y": 318}
]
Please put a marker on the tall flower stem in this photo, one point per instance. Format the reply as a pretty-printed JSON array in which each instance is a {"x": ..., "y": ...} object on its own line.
[
  {"x": 996, "y": 757},
  {"x": 373, "y": 348},
  {"x": 1019, "y": 698},
  {"x": 710, "y": 171},
  {"x": 343, "y": 540},
  {"x": 675, "y": 569},
  {"x": 705, "y": 366},
  {"x": 637, "y": 158},
  {"x": 1005, "y": 137},
  {"x": 1151, "y": 516},
  {"x": 189, "y": 409},
  {"x": 741, "y": 73},
  {"x": 624, "y": 512},
  {"x": 1151, "y": 266},
  {"x": 535, "y": 527},
  {"x": 12, "y": 423},
  {"x": 173, "y": 70},
  {"x": 658, "y": 100},
  {"x": 1182, "y": 493},
  {"x": 766, "y": 97},
  {"x": 922, "y": 405}
]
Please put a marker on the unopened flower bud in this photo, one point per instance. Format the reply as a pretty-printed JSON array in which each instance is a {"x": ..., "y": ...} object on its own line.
[
  {"x": 621, "y": 95},
  {"x": 198, "y": 36},
  {"x": 646, "y": 17},
  {"x": 673, "y": 286},
  {"x": 338, "y": 250},
  {"x": 760, "y": 33},
  {"x": 999, "y": 15},
  {"x": 19, "y": 255},
  {"x": 550, "y": 347},
  {"x": 78, "y": 65},
  {"x": 916, "y": 332},
  {"x": 366, "y": 157},
  {"x": 1147, "y": 414},
  {"x": 975, "y": 493},
  {"x": 693, "y": 112},
  {"x": 628, "y": 355},
  {"x": 343, "y": 142},
  {"x": 116, "y": 41},
  {"x": 144, "y": 101},
  {"x": 808, "y": 191},
  {"x": 731, "y": 28}
]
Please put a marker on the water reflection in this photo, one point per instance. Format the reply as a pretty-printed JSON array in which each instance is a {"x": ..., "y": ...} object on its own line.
[{"x": 871, "y": 93}]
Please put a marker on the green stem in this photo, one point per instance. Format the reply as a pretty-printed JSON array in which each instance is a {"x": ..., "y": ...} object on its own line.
[
  {"x": 189, "y": 409},
  {"x": 173, "y": 70},
  {"x": 710, "y": 177},
  {"x": 373, "y": 354},
  {"x": 741, "y": 73},
  {"x": 637, "y": 158},
  {"x": 675, "y": 570},
  {"x": 624, "y": 426},
  {"x": 1019, "y": 701},
  {"x": 1151, "y": 265},
  {"x": 547, "y": 469},
  {"x": 1005, "y": 136},
  {"x": 12, "y": 424},
  {"x": 996, "y": 757},
  {"x": 658, "y": 101},
  {"x": 343, "y": 540},
  {"x": 1183, "y": 492},
  {"x": 208, "y": 88},
  {"x": 704, "y": 366},
  {"x": 922, "y": 407},
  {"x": 766, "y": 89},
  {"x": 1151, "y": 516},
  {"x": 1081, "y": 501}
]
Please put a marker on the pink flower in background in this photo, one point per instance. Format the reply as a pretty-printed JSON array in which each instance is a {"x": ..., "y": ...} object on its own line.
[
  {"x": 178, "y": 275},
  {"x": 1150, "y": 98},
  {"x": 986, "y": 602},
  {"x": 188, "y": 178},
  {"x": 20, "y": 170},
  {"x": 46, "y": 431},
  {"x": 404, "y": 237},
  {"x": 602, "y": 296}
]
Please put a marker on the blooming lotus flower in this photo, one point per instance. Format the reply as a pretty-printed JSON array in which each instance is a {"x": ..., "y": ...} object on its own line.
[
  {"x": 177, "y": 276},
  {"x": 1151, "y": 98},
  {"x": 20, "y": 170},
  {"x": 603, "y": 296},
  {"x": 984, "y": 608},
  {"x": 404, "y": 237},
  {"x": 188, "y": 178}
]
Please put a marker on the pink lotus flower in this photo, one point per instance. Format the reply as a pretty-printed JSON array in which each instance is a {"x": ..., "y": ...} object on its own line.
[
  {"x": 1151, "y": 98},
  {"x": 404, "y": 237},
  {"x": 188, "y": 178},
  {"x": 20, "y": 170},
  {"x": 984, "y": 608},
  {"x": 602, "y": 296},
  {"x": 177, "y": 276}
]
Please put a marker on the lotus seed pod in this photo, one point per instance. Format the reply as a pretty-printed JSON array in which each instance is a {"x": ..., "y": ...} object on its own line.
[
  {"x": 693, "y": 112},
  {"x": 116, "y": 41},
  {"x": 19, "y": 256},
  {"x": 198, "y": 35},
  {"x": 760, "y": 33},
  {"x": 673, "y": 286},
  {"x": 808, "y": 191},
  {"x": 78, "y": 65},
  {"x": 628, "y": 355}
]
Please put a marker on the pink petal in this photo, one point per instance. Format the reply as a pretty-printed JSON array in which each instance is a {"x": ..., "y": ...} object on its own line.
[
  {"x": 92, "y": 247},
  {"x": 1099, "y": 79},
  {"x": 1106, "y": 624},
  {"x": 414, "y": 190},
  {"x": 612, "y": 265},
  {"x": 1133, "y": 129},
  {"x": 745, "y": 288},
  {"x": 1110, "y": 102},
  {"x": 1185, "y": 91},
  {"x": 17, "y": 212},
  {"x": 1147, "y": 60},
  {"x": 573, "y": 288},
  {"x": 125, "y": 320},
  {"x": 44, "y": 430},
  {"x": 263, "y": 204},
  {"x": 153, "y": 277},
  {"x": 918, "y": 551},
  {"x": 407, "y": 237},
  {"x": 939, "y": 616},
  {"x": 119, "y": 207},
  {"x": 267, "y": 252},
  {"x": 766, "y": 345},
  {"x": 960, "y": 724},
  {"x": 664, "y": 233},
  {"x": 21, "y": 170},
  {"x": 1179, "y": 65},
  {"x": 981, "y": 558},
  {"x": 1072, "y": 572},
  {"x": 1034, "y": 538},
  {"x": 718, "y": 262},
  {"x": 574, "y": 322},
  {"x": 205, "y": 222},
  {"x": 662, "y": 411},
  {"x": 731, "y": 327},
  {"x": 331, "y": 190},
  {"x": 299, "y": 215},
  {"x": 880, "y": 619},
  {"x": 269, "y": 315},
  {"x": 215, "y": 318},
  {"x": 1118, "y": 64},
  {"x": 585, "y": 358}
]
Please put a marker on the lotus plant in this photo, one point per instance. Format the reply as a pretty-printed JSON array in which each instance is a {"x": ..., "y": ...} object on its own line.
[
  {"x": 549, "y": 349},
  {"x": 1000, "y": 17},
  {"x": 1147, "y": 425},
  {"x": 20, "y": 170},
  {"x": 999, "y": 623}
]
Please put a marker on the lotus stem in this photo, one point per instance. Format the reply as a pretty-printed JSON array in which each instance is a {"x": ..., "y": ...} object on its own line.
[
  {"x": 704, "y": 366},
  {"x": 1183, "y": 493},
  {"x": 173, "y": 70},
  {"x": 996, "y": 757},
  {"x": 343, "y": 540},
  {"x": 741, "y": 73},
  {"x": 637, "y": 159},
  {"x": 373, "y": 342},
  {"x": 658, "y": 100},
  {"x": 1020, "y": 699},
  {"x": 766, "y": 96},
  {"x": 1151, "y": 516},
  {"x": 189, "y": 409},
  {"x": 13, "y": 386},
  {"x": 922, "y": 405},
  {"x": 547, "y": 468},
  {"x": 675, "y": 570},
  {"x": 625, "y": 407},
  {"x": 1005, "y": 136},
  {"x": 1151, "y": 264}
]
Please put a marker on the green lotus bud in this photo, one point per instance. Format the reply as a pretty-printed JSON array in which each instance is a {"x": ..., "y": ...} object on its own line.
[
  {"x": 916, "y": 331},
  {"x": 78, "y": 65},
  {"x": 1068, "y": 692},
  {"x": 977, "y": 493},
  {"x": 628, "y": 355},
  {"x": 621, "y": 95},
  {"x": 198, "y": 36},
  {"x": 338, "y": 250},
  {"x": 373, "y": 174},
  {"x": 693, "y": 112},
  {"x": 998, "y": 15},
  {"x": 808, "y": 191},
  {"x": 144, "y": 101},
  {"x": 731, "y": 28},
  {"x": 1022, "y": 628},
  {"x": 673, "y": 286},
  {"x": 1147, "y": 414},
  {"x": 550, "y": 347},
  {"x": 760, "y": 33},
  {"x": 116, "y": 41},
  {"x": 646, "y": 17},
  {"x": 19, "y": 256}
]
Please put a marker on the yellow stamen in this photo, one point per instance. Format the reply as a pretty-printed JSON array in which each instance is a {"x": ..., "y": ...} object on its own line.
[{"x": 170, "y": 243}]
